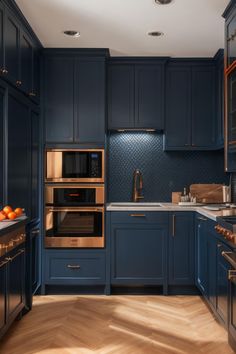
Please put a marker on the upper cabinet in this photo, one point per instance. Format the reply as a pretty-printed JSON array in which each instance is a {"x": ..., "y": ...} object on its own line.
[
  {"x": 19, "y": 53},
  {"x": 74, "y": 97},
  {"x": 136, "y": 95},
  {"x": 191, "y": 115},
  {"x": 230, "y": 87}
]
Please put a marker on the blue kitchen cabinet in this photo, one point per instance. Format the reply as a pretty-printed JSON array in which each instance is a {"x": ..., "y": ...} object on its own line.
[
  {"x": 135, "y": 95},
  {"x": 19, "y": 153},
  {"x": 201, "y": 274},
  {"x": 230, "y": 33},
  {"x": 74, "y": 97},
  {"x": 58, "y": 89},
  {"x": 89, "y": 123},
  {"x": 138, "y": 248},
  {"x": 35, "y": 163},
  {"x": 1, "y": 37},
  {"x": 2, "y": 145},
  {"x": 222, "y": 283},
  {"x": 191, "y": 117},
  {"x": 181, "y": 248},
  {"x": 26, "y": 63},
  {"x": 3, "y": 303},
  {"x": 232, "y": 313}
]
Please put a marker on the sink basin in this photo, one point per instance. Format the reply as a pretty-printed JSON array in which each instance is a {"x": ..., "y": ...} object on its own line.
[{"x": 136, "y": 205}]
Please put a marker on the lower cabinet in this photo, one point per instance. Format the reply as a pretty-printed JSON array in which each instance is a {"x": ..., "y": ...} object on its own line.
[
  {"x": 74, "y": 267},
  {"x": 138, "y": 248},
  {"x": 201, "y": 275},
  {"x": 181, "y": 248},
  {"x": 12, "y": 287},
  {"x": 232, "y": 313}
]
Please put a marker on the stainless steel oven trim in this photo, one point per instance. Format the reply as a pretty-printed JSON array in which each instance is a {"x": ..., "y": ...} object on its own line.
[{"x": 48, "y": 167}]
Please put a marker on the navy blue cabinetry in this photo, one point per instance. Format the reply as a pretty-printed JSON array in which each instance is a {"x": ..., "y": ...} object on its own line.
[
  {"x": 1, "y": 35},
  {"x": 74, "y": 97},
  {"x": 136, "y": 94},
  {"x": 19, "y": 154},
  {"x": 181, "y": 248},
  {"x": 2, "y": 144},
  {"x": 3, "y": 273},
  {"x": 138, "y": 248},
  {"x": 35, "y": 156},
  {"x": 191, "y": 117},
  {"x": 74, "y": 267},
  {"x": 201, "y": 273}
]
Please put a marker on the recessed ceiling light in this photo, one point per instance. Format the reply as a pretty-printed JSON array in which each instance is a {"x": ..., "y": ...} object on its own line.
[
  {"x": 72, "y": 33},
  {"x": 163, "y": 2},
  {"x": 155, "y": 34}
]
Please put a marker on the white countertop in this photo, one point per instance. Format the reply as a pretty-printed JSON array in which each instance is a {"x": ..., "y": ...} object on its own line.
[{"x": 168, "y": 207}]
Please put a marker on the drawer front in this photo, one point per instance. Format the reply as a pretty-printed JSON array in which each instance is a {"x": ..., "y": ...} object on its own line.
[
  {"x": 83, "y": 269},
  {"x": 139, "y": 217}
]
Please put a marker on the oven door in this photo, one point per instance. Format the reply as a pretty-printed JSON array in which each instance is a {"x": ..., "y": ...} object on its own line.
[
  {"x": 75, "y": 165},
  {"x": 74, "y": 227}
]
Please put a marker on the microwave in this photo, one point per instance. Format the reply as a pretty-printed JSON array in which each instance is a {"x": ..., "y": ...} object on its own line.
[{"x": 75, "y": 165}]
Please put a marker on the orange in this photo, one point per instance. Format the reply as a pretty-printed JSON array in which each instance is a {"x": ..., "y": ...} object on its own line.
[
  {"x": 2, "y": 216},
  {"x": 18, "y": 211},
  {"x": 7, "y": 209},
  {"x": 12, "y": 215}
]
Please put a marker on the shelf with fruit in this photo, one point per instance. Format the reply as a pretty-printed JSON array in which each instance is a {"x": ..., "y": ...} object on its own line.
[{"x": 8, "y": 213}]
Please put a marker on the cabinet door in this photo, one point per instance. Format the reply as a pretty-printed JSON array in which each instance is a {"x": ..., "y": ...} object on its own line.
[
  {"x": 35, "y": 151},
  {"x": 120, "y": 96},
  {"x": 2, "y": 147},
  {"x": 11, "y": 45},
  {"x": 1, "y": 37},
  {"x": 16, "y": 282},
  {"x": 59, "y": 99},
  {"x": 2, "y": 294},
  {"x": 232, "y": 313},
  {"x": 149, "y": 96},
  {"x": 222, "y": 283},
  {"x": 26, "y": 61},
  {"x": 19, "y": 154},
  {"x": 201, "y": 256},
  {"x": 35, "y": 86},
  {"x": 181, "y": 249},
  {"x": 211, "y": 266},
  {"x": 230, "y": 33},
  {"x": 178, "y": 108},
  {"x": 204, "y": 106},
  {"x": 89, "y": 126},
  {"x": 138, "y": 254}
]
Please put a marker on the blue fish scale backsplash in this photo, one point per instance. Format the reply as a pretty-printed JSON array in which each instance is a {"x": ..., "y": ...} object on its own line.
[{"x": 163, "y": 172}]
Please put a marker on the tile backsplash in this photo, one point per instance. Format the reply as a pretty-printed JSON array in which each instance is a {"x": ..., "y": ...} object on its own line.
[{"x": 163, "y": 172}]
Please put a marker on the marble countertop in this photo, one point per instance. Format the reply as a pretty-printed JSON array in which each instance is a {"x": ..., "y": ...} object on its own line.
[{"x": 211, "y": 214}]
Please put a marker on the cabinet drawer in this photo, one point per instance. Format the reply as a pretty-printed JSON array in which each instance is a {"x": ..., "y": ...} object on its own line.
[
  {"x": 71, "y": 268},
  {"x": 139, "y": 217}
]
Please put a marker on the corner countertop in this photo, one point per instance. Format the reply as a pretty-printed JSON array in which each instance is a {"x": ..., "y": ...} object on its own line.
[
  {"x": 169, "y": 207},
  {"x": 9, "y": 225}
]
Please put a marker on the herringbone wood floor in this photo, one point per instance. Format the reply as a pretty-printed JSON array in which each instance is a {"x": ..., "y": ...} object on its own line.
[{"x": 117, "y": 324}]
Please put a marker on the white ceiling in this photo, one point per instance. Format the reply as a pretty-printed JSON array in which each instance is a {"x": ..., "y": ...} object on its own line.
[{"x": 192, "y": 28}]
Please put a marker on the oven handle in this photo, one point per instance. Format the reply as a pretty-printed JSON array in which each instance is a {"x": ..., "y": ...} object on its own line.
[{"x": 101, "y": 209}]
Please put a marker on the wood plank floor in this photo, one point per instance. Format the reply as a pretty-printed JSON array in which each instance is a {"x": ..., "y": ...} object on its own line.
[{"x": 117, "y": 324}]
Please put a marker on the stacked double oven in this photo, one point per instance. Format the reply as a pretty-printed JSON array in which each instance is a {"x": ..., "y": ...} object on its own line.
[{"x": 74, "y": 198}]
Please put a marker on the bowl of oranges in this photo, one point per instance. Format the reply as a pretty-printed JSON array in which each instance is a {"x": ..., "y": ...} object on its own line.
[{"x": 8, "y": 213}]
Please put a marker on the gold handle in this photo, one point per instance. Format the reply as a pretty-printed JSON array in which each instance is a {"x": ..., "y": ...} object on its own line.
[
  {"x": 231, "y": 274},
  {"x": 35, "y": 232},
  {"x": 202, "y": 219},
  {"x": 32, "y": 94},
  {"x": 173, "y": 225},
  {"x": 10, "y": 259},
  {"x": 76, "y": 266},
  {"x": 3, "y": 263},
  {"x": 138, "y": 215},
  {"x": 219, "y": 246}
]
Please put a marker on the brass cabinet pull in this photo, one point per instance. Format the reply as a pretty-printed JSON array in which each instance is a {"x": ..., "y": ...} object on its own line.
[
  {"x": 4, "y": 71},
  {"x": 219, "y": 246},
  {"x": 76, "y": 266},
  {"x": 231, "y": 274},
  {"x": 10, "y": 259},
  {"x": 138, "y": 215},
  {"x": 18, "y": 83},
  {"x": 32, "y": 94},
  {"x": 3, "y": 263},
  {"x": 173, "y": 225}
]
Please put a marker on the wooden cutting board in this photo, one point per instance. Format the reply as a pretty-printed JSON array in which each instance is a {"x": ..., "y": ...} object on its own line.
[{"x": 207, "y": 193}]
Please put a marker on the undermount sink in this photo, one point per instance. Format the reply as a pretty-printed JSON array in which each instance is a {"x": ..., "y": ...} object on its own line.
[{"x": 136, "y": 205}]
